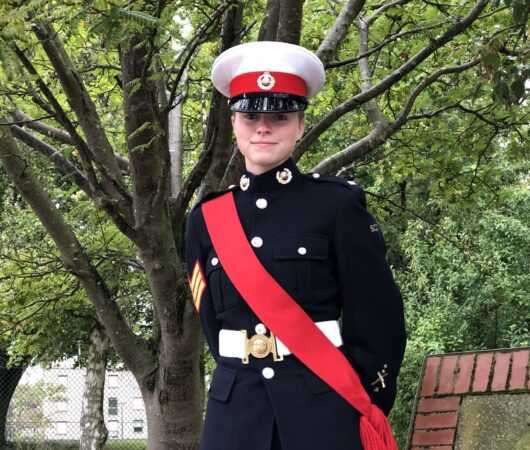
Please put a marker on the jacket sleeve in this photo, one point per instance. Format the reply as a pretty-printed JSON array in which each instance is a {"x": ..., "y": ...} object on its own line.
[
  {"x": 372, "y": 308},
  {"x": 202, "y": 298}
]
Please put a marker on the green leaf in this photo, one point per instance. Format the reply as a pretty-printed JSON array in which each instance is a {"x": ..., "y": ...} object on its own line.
[
  {"x": 502, "y": 90},
  {"x": 145, "y": 126},
  {"x": 520, "y": 11},
  {"x": 492, "y": 60},
  {"x": 140, "y": 18},
  {"x": 517, "y": 88}
]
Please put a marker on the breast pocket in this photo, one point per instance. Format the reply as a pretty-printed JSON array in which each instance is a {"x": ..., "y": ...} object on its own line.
[
  {"x": 297, "y": 263},
  {"x": 224, "y": 294}
]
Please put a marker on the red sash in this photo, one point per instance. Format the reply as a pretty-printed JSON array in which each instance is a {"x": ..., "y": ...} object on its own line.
[{"x": 292, "y": 326}]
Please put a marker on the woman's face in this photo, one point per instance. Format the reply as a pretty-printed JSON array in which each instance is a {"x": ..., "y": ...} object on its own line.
[{"x": 266, "y": 139}]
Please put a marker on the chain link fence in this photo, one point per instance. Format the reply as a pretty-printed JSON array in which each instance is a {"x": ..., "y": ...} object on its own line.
[{"x": 45, "y": 410}]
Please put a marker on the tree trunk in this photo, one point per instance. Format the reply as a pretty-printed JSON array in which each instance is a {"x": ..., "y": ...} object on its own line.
[
  {"x": 93, "y": 430},
  {"x": 223, "y": 143},
  {"x": 290, "y": 23},
  {"x": 9, "y": 378},
  {"x": 174, "y": 403},
  {"x": 269, "y": 24}
]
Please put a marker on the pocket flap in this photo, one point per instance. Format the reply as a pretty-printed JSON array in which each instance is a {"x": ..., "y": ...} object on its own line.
[
  {"x": 222, "y": 382},
  {"x": 309, "y": 246}
]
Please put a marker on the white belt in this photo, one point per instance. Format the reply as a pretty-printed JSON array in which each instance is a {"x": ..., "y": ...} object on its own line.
[{"x": 235, "y": 344}]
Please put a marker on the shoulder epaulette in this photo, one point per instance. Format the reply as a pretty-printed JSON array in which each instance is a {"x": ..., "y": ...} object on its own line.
[{"x": 332, "y": 178}]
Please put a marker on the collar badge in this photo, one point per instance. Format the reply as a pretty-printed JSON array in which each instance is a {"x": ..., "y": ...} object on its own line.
[
  {"x": 284, "y": 176},
  {"x": 266, "y": 81},
  {"x": 244, "y": 182}
]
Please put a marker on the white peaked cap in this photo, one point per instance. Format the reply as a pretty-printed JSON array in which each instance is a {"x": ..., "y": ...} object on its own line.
[{"x": 268, "y": 57}]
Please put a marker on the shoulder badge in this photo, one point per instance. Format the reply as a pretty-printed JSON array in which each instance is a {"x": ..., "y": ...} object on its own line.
[{"x": 197, "y": 285}]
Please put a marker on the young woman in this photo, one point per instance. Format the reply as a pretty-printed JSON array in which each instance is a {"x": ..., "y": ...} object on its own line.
[{"x": 313, "y": 235}]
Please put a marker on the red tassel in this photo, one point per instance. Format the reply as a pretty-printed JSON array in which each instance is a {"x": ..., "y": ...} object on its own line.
[{"x": 376, "y": 433}]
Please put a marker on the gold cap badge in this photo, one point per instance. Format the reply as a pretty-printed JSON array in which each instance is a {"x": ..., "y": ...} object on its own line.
[{"x": 266, "y": 81}]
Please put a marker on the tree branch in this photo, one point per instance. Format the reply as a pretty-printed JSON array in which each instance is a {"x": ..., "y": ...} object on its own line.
[
  {"x": 95, "y": 191},
  {"x": 199, "y": 171},
  {"x": 389, "y": 80},
  {"x": 153, "y": 32},
  {"x": 381, "y": 45},
  {"x": 223, "y": 141},
  {"x": 187, "y": 53},
  {"x": 431, "y": 114},
  {"x": 427, "y": 82},
  {"x": 67, "y": 167},
  {"x": 381, "y": 133},
  {"x": 86, "y": 113},
  {"x": 385, "y": 7},
  {"x": 176, "y": 141},
  {"x": 436, "y": 228},
  {"x": 372, "y": 108},
  {"x": 115, "y": 210},
  {"x": 338, "y": 31},
  {"x": 61, "y": 116},
  {"x": 217, "y": 136},
  {"x": 56, "y": 133}
]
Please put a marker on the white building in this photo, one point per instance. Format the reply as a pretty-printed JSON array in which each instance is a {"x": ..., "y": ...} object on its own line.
[{"x": 59, "y": 418}]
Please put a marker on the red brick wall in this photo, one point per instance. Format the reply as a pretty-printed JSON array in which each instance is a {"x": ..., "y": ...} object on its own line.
[{"x": 446, "y": 379}]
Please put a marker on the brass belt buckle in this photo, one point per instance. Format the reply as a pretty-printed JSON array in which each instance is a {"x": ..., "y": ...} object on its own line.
[{"x": 260, "y": 346}]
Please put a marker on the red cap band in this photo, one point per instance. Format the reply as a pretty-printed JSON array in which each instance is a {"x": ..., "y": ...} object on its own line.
[{"x": 286, "y": 83}]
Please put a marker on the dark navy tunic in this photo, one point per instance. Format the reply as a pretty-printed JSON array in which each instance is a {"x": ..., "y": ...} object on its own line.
[{"x": 343, "y": 273}]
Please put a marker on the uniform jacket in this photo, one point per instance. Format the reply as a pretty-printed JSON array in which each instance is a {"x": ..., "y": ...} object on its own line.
[{"x": 343, "y": 273}]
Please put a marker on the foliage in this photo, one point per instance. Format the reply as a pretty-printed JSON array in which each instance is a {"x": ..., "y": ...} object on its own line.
[
  {"x": 43, "y": 311},
  {"x": 464, "y": 274},
  {"x": 27, "y": 412}
]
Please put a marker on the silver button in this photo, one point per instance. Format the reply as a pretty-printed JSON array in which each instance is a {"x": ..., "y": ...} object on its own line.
[
  {"x": 316, "y": 175},
  {"x": 215, "y": 261},
  {"x": 261, "y": 203},
  {"x": 352, "y": 182},
  {"x": 256, "y": 242},
  {"x": 302, "y": 251},
  {"x": 268, "y": 373},
  {"x": 260, "y": 328}
]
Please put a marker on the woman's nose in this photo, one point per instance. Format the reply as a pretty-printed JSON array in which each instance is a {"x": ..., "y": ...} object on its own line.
[{"x": 263, "y": 126}]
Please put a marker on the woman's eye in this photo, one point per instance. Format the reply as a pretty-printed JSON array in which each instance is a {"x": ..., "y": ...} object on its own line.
[
  {"x": 280, "y": 117},
  {"x": 250, "y": 116}
]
